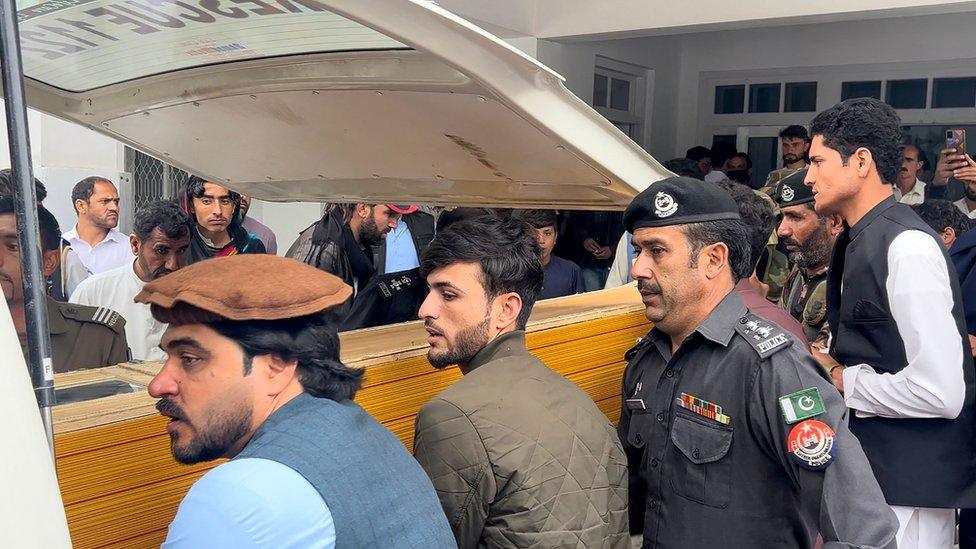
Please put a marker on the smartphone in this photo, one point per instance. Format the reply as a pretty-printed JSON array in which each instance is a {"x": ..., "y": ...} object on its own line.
[{"x": 956, "y": 139}]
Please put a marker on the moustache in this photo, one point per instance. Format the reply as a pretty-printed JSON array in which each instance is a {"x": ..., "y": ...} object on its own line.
[
  {"x": 648, "y": 287},
  {"x": 430, "y": 327},
  {"x": 791, "y": 242},
  {"x": 161, "y": 272},
  {"x": 168, "y": 408}
]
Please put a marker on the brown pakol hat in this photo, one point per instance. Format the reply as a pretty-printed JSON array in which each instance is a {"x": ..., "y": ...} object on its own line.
[{"x": 242, "y": 287}]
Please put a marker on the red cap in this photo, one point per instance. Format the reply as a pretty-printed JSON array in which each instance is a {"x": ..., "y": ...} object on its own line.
[{"x": 403, "y": 209}]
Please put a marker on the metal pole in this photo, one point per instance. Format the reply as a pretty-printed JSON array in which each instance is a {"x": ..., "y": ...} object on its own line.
[{"x": 25, "y": 202}]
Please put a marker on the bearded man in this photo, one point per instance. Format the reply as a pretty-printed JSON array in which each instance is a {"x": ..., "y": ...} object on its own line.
[
  {"x": 255, "y": 377},
  {"x": 341, "y": 243},
  {"x": 519, "y": 455},
  {"x": 809, "y": 239}
]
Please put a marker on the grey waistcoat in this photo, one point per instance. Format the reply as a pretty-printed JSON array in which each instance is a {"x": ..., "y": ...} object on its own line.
[{"x": 377, "y": 493}]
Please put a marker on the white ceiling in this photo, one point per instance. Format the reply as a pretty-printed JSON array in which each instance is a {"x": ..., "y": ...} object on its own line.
[{"x": 589, "y": 20}]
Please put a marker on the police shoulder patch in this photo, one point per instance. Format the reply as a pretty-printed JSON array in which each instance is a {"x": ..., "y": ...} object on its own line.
[
  {"x": 766, "y": 338},
  {"x": 98, "y": 315}
]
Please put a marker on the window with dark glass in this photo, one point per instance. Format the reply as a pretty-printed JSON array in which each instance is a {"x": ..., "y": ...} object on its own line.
[
  {"x": 764, "y": 97},
  {"x": 729, "y": 99},
  {"x": 907, "y": 94},
  {"x": 800, "y": 97},
  {"x": 724, "y": 138},
  {"x": 619, "y": 94},
  {"x": 850, "y": 90},
  {"x": 950, "y": 93},
  {"x": 601, "y": 86}
]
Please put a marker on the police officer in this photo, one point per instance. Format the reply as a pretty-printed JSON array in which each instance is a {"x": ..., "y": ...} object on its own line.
[
  {"x": 81, "y": 337},
  {"x": 734, "y": 436},
  {"x": 387, "y": 299},
  {"x": 809, "y": 238}
]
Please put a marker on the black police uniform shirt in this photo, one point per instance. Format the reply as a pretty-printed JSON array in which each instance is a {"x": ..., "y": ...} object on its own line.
[
  {"x": 707, "y": 443},
  {"x": 896, "y": 322}
]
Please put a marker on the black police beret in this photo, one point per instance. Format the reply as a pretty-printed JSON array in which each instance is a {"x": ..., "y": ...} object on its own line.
[
  {"x": 677, "y": 201},
  {"x": 792, "y": 191}
]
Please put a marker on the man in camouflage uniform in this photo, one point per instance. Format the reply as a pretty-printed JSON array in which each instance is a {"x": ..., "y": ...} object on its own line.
[
  {"x": 795, "y": 143},
  {"x": 81, "y": 337},
  {"x": 809, "y": 239}
]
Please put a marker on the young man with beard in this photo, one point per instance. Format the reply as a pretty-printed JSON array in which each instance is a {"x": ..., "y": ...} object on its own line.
[
  {"x": 218, "y": 231},
  {"x": 795, "y": 143},
  {"x": 255, "y": 377},
  {"x": 809, "y": 238},
  {"x": 99, "y": 245},
  {"x": 898, "y": 350},
  {"x": 341, "y": 242},
  {"x": 734, "y": 436},
  {"x": 81, "y": 337},
  {"x": 160, "y": 242},
  {"x": 519, "y": 455}
]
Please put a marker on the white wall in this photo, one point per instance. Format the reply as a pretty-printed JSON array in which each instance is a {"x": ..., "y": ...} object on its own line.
[
  {"x": 63, "y": 153},
  {"x": 682, "y": 104}
]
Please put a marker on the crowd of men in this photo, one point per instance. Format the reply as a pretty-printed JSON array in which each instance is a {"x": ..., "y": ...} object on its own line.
[{"x": 808, "y": 378}]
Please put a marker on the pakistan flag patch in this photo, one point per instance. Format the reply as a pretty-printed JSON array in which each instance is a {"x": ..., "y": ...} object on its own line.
[{"x": 801, "y": 405}]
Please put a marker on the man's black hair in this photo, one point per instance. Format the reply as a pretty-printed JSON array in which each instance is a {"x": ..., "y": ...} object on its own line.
[
  {"x": 165, "y": 215},
  {"x": 733, "y": 233},
  {"x": 310, "y": 340},
  {"x": 7, "y": 185},
  {"x": 863, "y": 122},
  {"x": 48, "y": 224},
  {"x": 507, "y": 251},
  {"x": 84, "y": 189},
  {"x": 195, "y": 188},
  {"x": 940, "y": 214},
  {"x": 538, "y": 219},
  {"x": 684, "y": 166},
  {"x": 746, "y": 156},
  {"x": 697, "y": 152},
  {"x": 721, "y": 152},
  {"x": 757, "y": 214},
  {"x": 450, "y": 217},
  {"x": 794, "y": 132}
]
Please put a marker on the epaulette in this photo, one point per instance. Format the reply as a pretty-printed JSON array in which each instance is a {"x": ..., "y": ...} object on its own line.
[
  {"x": 98, "y": 315},
  {"x": 766, "y": 338},
  {"x": 632, "y": 352},
  {"x": 395, "y": 285}
]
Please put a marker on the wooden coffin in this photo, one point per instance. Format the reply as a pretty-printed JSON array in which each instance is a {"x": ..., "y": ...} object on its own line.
[{"x": 121, "y": 487}]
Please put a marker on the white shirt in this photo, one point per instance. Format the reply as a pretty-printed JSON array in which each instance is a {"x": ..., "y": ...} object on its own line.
[
  {"x": 252, "y": 503},
  {"x": 116, "y": 290},
  {"x": 112, "y": 252},
  {"x": 920, "y": 298},
  {"x": 914, "y": 196},
  {"x": 715, "y": 176},
  {"x": 964, "y": 208}
]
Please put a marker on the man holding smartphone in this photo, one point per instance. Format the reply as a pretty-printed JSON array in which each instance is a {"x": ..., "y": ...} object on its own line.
[
  {"x": 946, "y": 185},
  {"x": 898, "y": 350}
]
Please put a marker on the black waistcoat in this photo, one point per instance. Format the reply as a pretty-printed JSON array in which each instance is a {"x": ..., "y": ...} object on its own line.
[{"x": 918, "y": 462}]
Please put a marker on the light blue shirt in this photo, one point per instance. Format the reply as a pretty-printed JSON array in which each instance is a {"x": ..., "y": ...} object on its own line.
[
  {"x": 252, "y": 503},
  {"x": 401, "y": 253}
]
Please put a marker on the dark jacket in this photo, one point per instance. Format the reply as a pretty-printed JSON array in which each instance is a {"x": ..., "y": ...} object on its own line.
[
  {"x": 605, "y": 228},
  {"x": 902, "y": 450},
  {"x": 421, "y": 227},
  {"x": 387, "y": 299},
  {"x": 328, "y": 244},
  {"x": 963, "y": 255}
]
